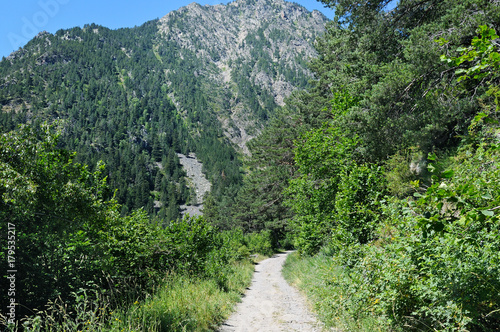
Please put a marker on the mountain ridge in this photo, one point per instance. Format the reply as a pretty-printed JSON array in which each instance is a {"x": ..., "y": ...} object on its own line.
[
  {"x": 225, "y": 36},
  {"x": 134, "y": 97}
]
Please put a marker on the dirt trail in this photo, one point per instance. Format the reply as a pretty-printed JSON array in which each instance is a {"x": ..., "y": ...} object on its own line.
[{"x": 271, "y": 304}]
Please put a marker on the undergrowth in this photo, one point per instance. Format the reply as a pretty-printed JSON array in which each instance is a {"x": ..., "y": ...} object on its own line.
[
  {"x": 179, "y": 303},
  {"x": 325, "y": 284}
]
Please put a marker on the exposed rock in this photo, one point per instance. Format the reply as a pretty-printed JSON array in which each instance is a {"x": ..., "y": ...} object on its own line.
[
  {"x": 226, "y": 38},
  {"x": 197, "y": 181}
]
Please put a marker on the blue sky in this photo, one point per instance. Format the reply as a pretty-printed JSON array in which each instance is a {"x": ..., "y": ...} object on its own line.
[{"x": 21, "y": 20}]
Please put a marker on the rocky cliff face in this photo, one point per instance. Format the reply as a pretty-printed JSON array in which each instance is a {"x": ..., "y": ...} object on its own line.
[
  {"x": 247, "y": 46},
  {"x": 224, "y": 32}
]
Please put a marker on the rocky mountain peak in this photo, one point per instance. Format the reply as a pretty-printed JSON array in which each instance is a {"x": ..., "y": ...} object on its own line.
[{"x": 247, "y": 45}]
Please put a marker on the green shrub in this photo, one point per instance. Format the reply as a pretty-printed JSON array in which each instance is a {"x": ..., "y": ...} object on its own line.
[
  {"x": 260, "y": 243},
  {"x": 403, "y": 170},
  {"x": 336, "y": 197},
  {"x": 435, "y": 263},
  {"x": 73, "y": 240}
]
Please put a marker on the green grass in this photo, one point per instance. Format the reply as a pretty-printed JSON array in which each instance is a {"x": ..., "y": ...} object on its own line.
[
  {"x": 180, "y": 303},
  {"x": 184, "y": 304},
  {"x": 324, "y": 284}
]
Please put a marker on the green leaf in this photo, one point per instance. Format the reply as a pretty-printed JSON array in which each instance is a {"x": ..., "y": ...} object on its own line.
[
  {"x": 480, "y": 116},
  {"x": 447, "y": 174},
  {"x": 441, "y": 41},
  {"x": 486, "y": 196},
  {"x": 488, "y": 213}
]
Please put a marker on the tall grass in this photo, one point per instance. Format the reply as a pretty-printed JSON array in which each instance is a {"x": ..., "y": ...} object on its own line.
[
  {"x": 180, "y": 303},
  {"x": 324, "y": 284}
]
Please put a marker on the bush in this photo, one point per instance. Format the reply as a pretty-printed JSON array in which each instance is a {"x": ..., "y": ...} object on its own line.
[
  {"x": 260, "y": 243},
  {"x": 74, "y": 240},
  {"x": 434, "y": 264}
]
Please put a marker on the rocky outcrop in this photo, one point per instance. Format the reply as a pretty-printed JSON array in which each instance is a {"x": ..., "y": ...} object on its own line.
[
  {"x": 197, "y": 182},
  {"x": 257, "y": 45}
]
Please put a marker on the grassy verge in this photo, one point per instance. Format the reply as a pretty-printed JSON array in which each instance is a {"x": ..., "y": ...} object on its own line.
[
  {"x": 180, "y": 303},
  {"x": 323, "y": 282},
  {"x": 184, "y": 304}
]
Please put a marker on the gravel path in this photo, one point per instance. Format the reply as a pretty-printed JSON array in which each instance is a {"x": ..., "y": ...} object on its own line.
[{"x": 271, "y": 304}]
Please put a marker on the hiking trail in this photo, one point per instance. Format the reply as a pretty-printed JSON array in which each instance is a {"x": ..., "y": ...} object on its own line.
[{"x": 271, "y": 304}]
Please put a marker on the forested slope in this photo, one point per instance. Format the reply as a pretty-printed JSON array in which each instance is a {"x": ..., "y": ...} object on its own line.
[{"x": 136, "y": 97}]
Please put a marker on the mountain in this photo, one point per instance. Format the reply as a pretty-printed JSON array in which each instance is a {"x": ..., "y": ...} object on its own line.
[
  {"x": 254, "y": 54},
  {"x": 202, "y": 79}
]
